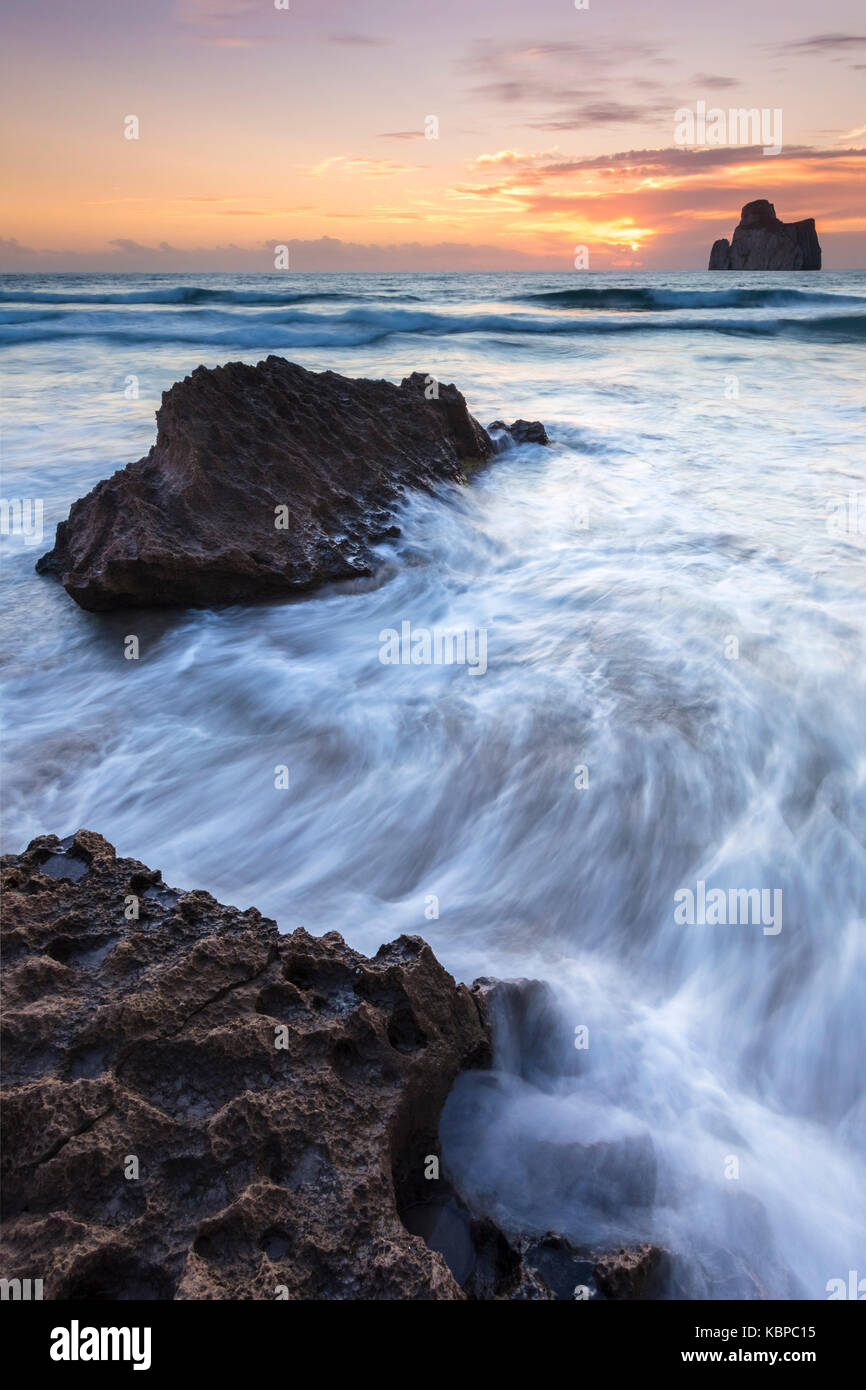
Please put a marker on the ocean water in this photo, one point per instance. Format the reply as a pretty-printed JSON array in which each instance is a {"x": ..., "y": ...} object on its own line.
[{"x": 672, "y": 602}]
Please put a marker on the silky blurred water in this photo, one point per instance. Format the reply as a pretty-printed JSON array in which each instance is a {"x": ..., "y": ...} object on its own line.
[{"x": 706, "y": 483}]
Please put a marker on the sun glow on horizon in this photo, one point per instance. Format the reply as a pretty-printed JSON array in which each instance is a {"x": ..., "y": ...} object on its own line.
[{"x": 260, "y": 129}]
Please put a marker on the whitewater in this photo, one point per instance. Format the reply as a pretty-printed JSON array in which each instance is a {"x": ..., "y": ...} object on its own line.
[{"x": 671, "y": 598}]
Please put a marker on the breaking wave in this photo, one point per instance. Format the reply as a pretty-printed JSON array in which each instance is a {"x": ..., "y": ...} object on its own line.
[
  {"x": 608, "y": 574},
  {"x": 299, "y": 328},
  {"x": 185, "y": 295},
  {"x": 642, "y": 299}
]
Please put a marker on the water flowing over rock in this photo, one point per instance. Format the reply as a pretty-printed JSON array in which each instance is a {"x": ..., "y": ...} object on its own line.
[
  {"x": 264, "y": 480},
  {"x": 518, "y": 432},
  {"x": 762, "y": 242},
  {"x": 197, "y": 1107}
]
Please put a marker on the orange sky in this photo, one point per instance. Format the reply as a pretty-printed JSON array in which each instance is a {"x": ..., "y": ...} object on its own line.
[{"x": 306, "y": 126}]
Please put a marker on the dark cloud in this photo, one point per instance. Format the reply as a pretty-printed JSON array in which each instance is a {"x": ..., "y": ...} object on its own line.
[
  {"x": 824, "y": 43},
  {"x": 681, "y": 159},
  {"x": 511, "y": 90},
  {"x": 595, "y": 113},
  {"x": 709, "y": 79},
  {"x": 11, "y": 246},
  {"x": 129, "y": 248},
  {"x": 675, "y": 185},
  {"x": 572, "y": 85}
]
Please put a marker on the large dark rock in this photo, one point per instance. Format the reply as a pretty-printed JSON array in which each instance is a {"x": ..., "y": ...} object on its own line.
[
  {"x": 197, "y": 1107},
  {"x": 155, "y": 1039},
  {"x": 196, "y": 521},
  {"x": 762, "y": 242}
]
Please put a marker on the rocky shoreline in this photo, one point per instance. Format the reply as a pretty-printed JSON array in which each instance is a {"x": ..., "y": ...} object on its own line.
[{"x": 198, "y": 1107}]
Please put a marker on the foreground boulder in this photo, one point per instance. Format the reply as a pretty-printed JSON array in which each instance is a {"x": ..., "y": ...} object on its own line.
[
  {"x": 762, "y": 242},
  {"x": 197, "y": 1107},
  {"x": 263, "y": 481}
]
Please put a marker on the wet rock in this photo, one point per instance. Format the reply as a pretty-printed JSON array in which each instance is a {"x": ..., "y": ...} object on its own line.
[
  {"x": 568, "y": 1272},
  {"x": 264, "y": 480},
  {"x": 724, "y": 1270},
  {"x": 575, "y": 1272},
  {"x": 501, "y": 1269},
  {"x": 148, "y": 1045},
  {"x": 640, "y": 1272},
  {"x": 533, "y": 1038},
  {"x": 518, "y": 432},
  {"x": 762, "y": 242},
  {"x": 528, "y": 1131},
  {"x": 197, "y": 1107},
  {"x": 445, "y": 1226}
]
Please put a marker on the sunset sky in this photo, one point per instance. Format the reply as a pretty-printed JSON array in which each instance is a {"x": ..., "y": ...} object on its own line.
[{"x": 306, "y": 126}]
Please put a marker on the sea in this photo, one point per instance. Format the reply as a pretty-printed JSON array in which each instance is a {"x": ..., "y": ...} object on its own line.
[{"x": 653, "y": 795}]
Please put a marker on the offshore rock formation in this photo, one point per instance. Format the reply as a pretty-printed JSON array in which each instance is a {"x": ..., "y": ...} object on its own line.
[
  {"x": 196, "y": 1107},
  {"x": 263, "y": 481},
  {"x": 762, "y": 242}
]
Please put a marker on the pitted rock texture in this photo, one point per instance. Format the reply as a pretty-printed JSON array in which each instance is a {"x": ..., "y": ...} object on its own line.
[
  {"x": 198, "y": 1107},
  {"x": 632, "y": 1273},
  {"x": 259, "y": 1168},
  {"x": 762, "y": 242},
  {"x": 196, "y": 522}
]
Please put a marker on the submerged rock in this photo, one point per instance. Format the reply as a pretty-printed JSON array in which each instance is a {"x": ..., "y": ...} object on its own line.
[
  {"x": 263, "y": 481},
  {"x": 762, "y": 242},
  {"x": 197, "y": 1107},
  {"x": 600, "y": 1170},
  {"x": 518, "y": 432},
  {"x": 632, "y": 1273}
]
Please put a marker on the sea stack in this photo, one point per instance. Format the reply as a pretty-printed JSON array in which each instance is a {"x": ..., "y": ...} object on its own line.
[{"x": 762, "y": 242}]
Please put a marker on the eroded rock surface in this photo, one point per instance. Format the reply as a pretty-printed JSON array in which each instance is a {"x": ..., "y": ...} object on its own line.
[
  {"x": 156, "y": 1040},
  {"x": 197, "y": 521},
  {"x": 198, "y": 1107},
  {"x": 762, "y": 242}
]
